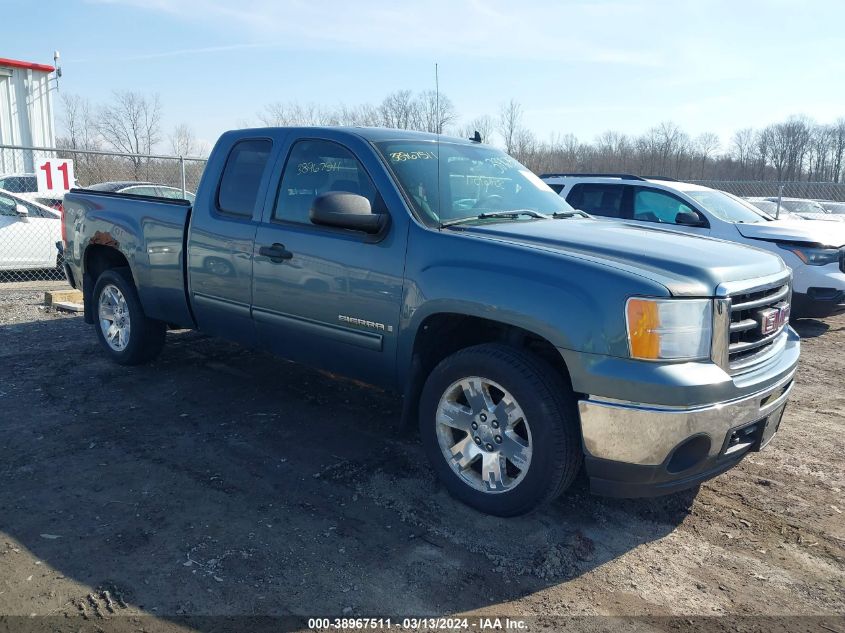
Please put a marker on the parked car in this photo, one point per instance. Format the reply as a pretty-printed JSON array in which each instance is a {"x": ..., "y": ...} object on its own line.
[
  {"x": 837, "y": 208},
  {"x": 26, "y": 186},
  {"x": 807, "y": 209},
  {"x": 815, "y": 251},
  {"x": 771, "y": 209},
  {"x": 30, "y": 234},
  {"x": 19, "y": 183},
  {"x": 526, "y": 338},
  {"x": 143, "y": 189}
]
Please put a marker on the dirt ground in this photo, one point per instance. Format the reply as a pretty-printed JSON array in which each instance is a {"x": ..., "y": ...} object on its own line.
[{"x": 224, "y": 482}]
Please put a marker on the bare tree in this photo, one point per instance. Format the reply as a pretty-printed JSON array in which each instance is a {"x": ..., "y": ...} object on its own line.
[
  {"x": 366, "y": 115},
  {"x": 838, "y": 150},
  {"x": 398, "y": 110},
  {"x": 510, "y": 121},
  {"x": 432, "y": 112},
  {"x": 483, "y": 124},
  {"x": 131, "y": 124},
  {"x": 292, "y": 113},
  {"x": 184, "y": 143},
  {"x": 78, "y": 121},
  {"x": 742, "y": 147},
  {"x": 793, "y": 149},
  {"x": 706, "y": 145}
]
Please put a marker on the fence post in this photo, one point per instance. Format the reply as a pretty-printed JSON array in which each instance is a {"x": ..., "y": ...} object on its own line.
[
  {"x": 780, "y": 195},
  {"x": 182, "y": 170}
]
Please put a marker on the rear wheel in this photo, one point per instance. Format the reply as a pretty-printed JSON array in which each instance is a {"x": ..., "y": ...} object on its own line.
[
  {"x": 500, "y": 429},
  {"x": 124, "y": 331}
]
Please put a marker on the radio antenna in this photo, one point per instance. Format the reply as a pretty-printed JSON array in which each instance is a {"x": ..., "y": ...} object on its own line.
[
  {"x": 437, "y": 136},
  {"x": 436, "y": 98}
]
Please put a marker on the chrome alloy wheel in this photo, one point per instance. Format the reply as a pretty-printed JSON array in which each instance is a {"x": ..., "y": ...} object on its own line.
[
  {"x": 484, "y": 435},
  {"x": 113, "y": 312}
]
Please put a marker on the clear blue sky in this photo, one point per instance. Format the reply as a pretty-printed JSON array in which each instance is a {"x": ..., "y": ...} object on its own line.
[{"x": 575, "y": 66}]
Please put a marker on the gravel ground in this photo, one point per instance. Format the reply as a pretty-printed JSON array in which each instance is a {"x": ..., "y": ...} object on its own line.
[{"x": 224, "y": 482}]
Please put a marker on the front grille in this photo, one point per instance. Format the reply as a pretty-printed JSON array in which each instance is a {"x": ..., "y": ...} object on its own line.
[{"x": 757, "y": 318}]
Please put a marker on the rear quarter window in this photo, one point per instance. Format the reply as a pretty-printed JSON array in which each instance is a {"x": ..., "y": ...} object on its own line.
[
  {"x": 598, "y": 199},
  {"x": 242, "y": 176}
]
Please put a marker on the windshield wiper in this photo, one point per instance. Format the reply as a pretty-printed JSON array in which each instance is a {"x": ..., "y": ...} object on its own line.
[{"x": 496, "y": 214}]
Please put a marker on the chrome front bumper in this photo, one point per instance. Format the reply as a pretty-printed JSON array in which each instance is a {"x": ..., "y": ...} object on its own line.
[{"x": 646, "y": 435}]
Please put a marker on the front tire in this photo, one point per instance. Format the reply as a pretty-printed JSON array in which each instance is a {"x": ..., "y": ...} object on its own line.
[
  {"x": 500, "y": 429},
  {"x": 125, "y": 332}
]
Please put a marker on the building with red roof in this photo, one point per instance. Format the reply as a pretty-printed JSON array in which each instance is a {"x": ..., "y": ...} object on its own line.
[{"x": 26, "y": 112}]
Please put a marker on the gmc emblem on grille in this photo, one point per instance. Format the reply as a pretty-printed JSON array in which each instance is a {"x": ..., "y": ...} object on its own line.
[{"x": 772, "y": 319}]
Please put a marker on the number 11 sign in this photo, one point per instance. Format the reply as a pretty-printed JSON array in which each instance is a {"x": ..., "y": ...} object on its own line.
[{"x": 55, "y": 175}]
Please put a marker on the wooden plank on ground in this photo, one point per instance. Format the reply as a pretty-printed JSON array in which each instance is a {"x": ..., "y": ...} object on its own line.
[
  {"x": 52, "y": 297},
  {"x": 68, "y": 306}
]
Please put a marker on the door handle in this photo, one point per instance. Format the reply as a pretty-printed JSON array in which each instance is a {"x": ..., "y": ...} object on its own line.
[{"x": 277, "y": 253}]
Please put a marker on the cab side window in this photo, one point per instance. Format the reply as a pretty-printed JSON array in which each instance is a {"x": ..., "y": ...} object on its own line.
[
  {"x": 242, "y": 176},
  {"x": 597, "y": 199},
  {"x": 316, "y": 167},
  {"x": 651, "y": 205}
]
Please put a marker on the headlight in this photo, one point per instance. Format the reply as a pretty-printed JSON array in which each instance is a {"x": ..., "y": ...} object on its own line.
[
  {"x": 813, "y": 256},
  {"x": 669, "y": 329}
]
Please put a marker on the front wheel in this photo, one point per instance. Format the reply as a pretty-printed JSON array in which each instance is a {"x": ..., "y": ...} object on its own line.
[
  {"x": 500, "y": 428},
  {"x": 124, "y": 331}
]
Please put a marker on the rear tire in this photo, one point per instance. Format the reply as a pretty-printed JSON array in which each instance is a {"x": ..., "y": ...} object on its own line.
[
  {"x": 125, "y": 332},
  {"x": 500, "y": 429}
]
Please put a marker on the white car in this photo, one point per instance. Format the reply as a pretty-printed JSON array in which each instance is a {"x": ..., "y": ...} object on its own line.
[
  {"x": 771, "y": 209},
  {"x": 815, "y": 251},
  {"x": 30, "y": 234},
  {"x": 831, "y": 206},
  {"x": 807, "y": 209},
  {"x": 26, "y": 186}
]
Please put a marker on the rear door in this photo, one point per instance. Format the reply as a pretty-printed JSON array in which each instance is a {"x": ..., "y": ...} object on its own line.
[
  {"x": 333, "y": 298},
  {"x": 601, "y": 199},
  {"x": 222, "y": 234}
]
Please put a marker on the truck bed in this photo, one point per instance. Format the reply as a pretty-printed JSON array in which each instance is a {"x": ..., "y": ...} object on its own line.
[{"x": 149, "y": 231}]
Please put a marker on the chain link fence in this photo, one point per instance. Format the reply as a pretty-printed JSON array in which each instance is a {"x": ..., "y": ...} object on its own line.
[
  {"x": 833, "y": 191},
  {"x": 30, "y": 221}
]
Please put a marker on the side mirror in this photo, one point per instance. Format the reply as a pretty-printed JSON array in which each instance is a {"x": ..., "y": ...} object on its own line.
[
  {"x": 689, "y": 218},
  {"x": 347, "y": 211},
  {"x": 21, "y": 210}
]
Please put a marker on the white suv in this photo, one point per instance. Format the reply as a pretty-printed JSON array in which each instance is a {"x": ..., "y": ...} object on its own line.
[{"x": 815, "y": 251}]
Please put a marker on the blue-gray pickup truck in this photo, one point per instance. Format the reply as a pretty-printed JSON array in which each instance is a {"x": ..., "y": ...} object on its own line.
[{"x": 528, "y": 339}]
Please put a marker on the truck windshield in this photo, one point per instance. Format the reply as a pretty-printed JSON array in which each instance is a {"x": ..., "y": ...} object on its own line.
[
  {"x": 725, "y": 207},
  {"x": 470, "y": 180}
]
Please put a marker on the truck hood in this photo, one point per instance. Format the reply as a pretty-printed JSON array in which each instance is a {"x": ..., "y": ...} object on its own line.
[
  {"x": 686, "y": 265},
  {"x": 808, "y": 232}
]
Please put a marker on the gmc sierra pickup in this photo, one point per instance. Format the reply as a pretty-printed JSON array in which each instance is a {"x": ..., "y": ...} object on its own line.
[{"x": 527, "y": 338}]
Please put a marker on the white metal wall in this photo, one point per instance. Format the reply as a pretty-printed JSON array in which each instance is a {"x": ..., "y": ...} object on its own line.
[{"x": 26, "y": 115}]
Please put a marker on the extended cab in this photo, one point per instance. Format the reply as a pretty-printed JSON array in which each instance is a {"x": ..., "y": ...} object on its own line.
[{"x": 527, "y": 338}]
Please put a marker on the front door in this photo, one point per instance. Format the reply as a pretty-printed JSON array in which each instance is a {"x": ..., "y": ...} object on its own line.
[
  {"x": 322, "y": 296},
  {"x": 664, "y": 209},
  {"x": 27, "y": 241}
]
